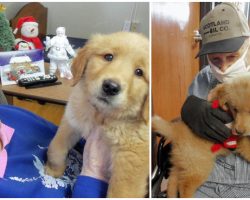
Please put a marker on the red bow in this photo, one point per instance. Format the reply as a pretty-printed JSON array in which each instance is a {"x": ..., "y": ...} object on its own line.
[{"x": 230, "y": 143}]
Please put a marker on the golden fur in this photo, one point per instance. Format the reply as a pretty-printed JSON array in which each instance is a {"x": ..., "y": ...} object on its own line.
[
  {"x": 122, "y": 118},
  {"x": 192, "y": 158}
]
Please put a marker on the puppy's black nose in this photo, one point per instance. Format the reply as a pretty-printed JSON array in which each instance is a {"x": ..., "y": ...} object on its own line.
[{"x": 110, "y": 87}]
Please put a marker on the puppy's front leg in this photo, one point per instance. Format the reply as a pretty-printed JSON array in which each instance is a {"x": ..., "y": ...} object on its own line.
[
  {"x": 129, "y": 175},
  {"x": 63, "y": 141},
  {"x": 243, "y": 147}
]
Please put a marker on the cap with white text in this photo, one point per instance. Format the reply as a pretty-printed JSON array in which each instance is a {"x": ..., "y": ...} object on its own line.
[{"x": 223, "y": 30}]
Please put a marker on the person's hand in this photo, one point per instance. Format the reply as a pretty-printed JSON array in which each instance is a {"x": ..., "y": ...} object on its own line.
[
  {"x": 96, "y": 157},
  {"x": 205, "y": 121}
]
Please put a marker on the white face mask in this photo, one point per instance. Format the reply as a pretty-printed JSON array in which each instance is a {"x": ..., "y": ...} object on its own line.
[{"x": 236, "y": 69}]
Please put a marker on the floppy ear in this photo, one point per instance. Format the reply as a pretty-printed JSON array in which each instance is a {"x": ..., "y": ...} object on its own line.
[
  {"x": 145, "y": 110},
  {"x": 219, "y": 93},
  {"x": 79, "y": 63}
]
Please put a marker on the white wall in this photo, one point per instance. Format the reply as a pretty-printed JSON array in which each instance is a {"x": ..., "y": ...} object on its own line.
[
  {"x": 82, "y": 19},
  {"x": 13, "y": 8}
]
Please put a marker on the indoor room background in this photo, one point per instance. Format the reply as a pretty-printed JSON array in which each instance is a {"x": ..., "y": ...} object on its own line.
[{"x": 81, "y": 19}]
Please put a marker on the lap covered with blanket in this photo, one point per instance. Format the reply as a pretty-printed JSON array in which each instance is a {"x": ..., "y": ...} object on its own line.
[{"x": 25, "y": 138}]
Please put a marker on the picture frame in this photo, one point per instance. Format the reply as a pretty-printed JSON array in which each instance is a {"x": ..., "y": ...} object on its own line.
[{"x": 21, "y": 64}]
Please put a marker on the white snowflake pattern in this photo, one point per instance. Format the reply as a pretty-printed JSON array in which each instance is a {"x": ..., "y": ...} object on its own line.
[{"x": 74, "y": 163}]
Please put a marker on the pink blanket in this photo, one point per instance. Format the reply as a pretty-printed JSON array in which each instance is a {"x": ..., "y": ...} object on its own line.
[{"x": 6, "y": 134}]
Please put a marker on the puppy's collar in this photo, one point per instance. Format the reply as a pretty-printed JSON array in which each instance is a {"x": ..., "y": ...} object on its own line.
[{"x": 230, "y": 143}]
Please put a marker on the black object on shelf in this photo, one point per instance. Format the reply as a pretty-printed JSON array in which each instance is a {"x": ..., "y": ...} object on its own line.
[{"x": 42, "y": 85}]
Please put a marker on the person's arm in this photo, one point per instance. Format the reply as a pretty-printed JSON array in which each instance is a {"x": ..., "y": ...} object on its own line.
[
  {"x": 93, "y": 181},
  {"x": 197, "y": 112},
  {"x": 202, "y": 83}
]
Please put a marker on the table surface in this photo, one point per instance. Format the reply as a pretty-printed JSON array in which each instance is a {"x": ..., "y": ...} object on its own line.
[{"x": 55, "y": 94}]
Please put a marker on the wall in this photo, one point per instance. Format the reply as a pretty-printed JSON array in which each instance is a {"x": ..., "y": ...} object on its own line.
[{"x": 82, "y": 19}]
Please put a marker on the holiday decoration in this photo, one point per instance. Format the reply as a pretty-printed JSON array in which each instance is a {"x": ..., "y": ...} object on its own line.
[
  {"x": 29, "y": 34},
  {"x": 6, "y": 36},
  {"x": 58, "y": 47},
  {"x": 21, "y": 64}
]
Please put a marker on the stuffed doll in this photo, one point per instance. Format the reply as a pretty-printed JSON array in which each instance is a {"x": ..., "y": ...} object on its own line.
[{"x": 29, "y": 34}]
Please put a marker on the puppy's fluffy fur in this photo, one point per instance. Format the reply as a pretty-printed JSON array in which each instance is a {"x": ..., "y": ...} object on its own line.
[
  {"x": 192, "y": 158},
  {"x": 122, "y": 117}
]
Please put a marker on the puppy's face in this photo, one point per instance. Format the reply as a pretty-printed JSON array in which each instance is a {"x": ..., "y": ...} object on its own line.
[
  {"x": 235, "y": 96},
  {"x": 113, "y": 71}
]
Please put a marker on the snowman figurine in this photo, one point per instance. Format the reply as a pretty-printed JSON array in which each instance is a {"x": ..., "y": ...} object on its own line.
[
  {"x": 29, "y": 34},
  {"x": 58, "y": 47}
]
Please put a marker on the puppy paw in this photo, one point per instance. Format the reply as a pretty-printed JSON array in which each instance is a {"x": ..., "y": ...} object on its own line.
[{"x": 54, "y": 171}]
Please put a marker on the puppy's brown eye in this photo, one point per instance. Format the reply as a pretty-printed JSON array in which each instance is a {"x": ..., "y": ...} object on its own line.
[
  {"x": 138, "y": 72},
  {"x": 109, "y": 57}
]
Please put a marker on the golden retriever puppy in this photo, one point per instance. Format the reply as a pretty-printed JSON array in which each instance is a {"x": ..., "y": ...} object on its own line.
[
  {"x": 192, "y": 157},
  {"x": 111, "y": 77}
]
